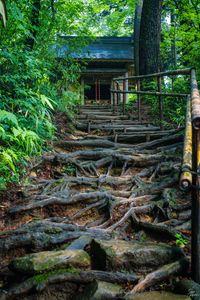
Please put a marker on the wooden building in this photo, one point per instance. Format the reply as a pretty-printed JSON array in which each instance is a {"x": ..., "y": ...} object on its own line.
[{"x": 106, "y": 57}]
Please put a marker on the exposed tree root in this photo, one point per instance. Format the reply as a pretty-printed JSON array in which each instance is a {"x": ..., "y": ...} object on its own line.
[
  {"x": 118, "y": 184},
  {"x": 161, "y": 274},
  {"x": 77, "y": 277},
  {"x": 44, "y": 234},
  {"x": 64, "y": 199}
]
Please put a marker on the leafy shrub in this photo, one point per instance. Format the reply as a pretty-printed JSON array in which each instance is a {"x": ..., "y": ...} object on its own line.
[
  {"x": 26, "y": 140},
  {"x": 69, "y": 102}
]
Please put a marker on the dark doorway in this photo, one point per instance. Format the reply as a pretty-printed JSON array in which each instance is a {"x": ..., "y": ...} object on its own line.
[
  {"x": 97, "y": 92},
  {"x": 105, "y": 91},
  {"x": 90, "y": 92}
]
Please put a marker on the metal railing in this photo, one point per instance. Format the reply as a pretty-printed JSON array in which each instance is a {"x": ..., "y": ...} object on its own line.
[{"x": 190, "y": 170}]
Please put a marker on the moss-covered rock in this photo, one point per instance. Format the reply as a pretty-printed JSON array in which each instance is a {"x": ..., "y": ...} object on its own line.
[
  {"x": 100, "y": 290},
  {"x": 49, "y": 260},
  {"x": 131, "y": 256},
  {"x": 107, "y": 290},
  {"x": 156, "y": 295}
]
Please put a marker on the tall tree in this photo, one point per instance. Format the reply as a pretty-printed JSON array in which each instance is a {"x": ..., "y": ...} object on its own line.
[
  {"x": 137, "y": 23},
  {"x": 36, "y": 6},
  {"x": 149, "y": 43}
]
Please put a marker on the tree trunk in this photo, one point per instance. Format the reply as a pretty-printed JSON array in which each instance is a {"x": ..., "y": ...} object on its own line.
[
  {"x": 150, "y": 37},
  {"x": 137, "y": 23},
  {"x": 34, "y": 20},
  {"x": 173, "y": 41}
]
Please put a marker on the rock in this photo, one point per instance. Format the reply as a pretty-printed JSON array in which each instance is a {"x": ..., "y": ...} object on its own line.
[
  {"x": 189, "y": 287},
  {"x": 49, "y": 260},
  {"x": 131, "y": 256},
  {"x": 101, "y": 291},
  {"x": 80, "y": 243},
  {"x": 156, "y": 295}
]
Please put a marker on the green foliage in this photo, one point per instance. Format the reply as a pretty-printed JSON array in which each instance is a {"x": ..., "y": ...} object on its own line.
[
  {"x": 131, "y": 101},
  {"x": 8, "y": 119},
  {"x": 32, "y": 80},
  {"x": 181, "y": 34},
  {"x": 69, "y": 103},
  {"x": 42, "y": 278},
  {"x": 174, "y": 108},
  {"x": 113, "y": 18},
  {"x": 27, "y": 140},
  {"x": 180, "y": 240},
  {"x": 8, "y": 171},
  {"x": 70, "y": 169}
]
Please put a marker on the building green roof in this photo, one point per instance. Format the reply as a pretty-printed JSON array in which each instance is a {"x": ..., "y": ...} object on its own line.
[{"x": 102, "y": 48}]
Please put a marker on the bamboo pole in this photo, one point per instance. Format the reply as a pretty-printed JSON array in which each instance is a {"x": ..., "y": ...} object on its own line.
[
  {"x": 196, "y": 209},
  {"x": 151, "y": 93},
  {"x": 195, "y": 101},
  {"x": 162, "y": 74},
  {"x": 186, "y": 175}
]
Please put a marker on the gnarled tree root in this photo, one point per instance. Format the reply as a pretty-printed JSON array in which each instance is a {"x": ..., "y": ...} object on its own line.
[
  {"x": 165, "y": 272},
  {"x": 77, "y": 276}
]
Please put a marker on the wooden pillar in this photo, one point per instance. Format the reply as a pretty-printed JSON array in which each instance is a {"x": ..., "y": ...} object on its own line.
[
  {"x": 139, "y": 101},
  {"x": 118, "y": 96},
  {"x": 82, "y": 92},
  {"x": 111, "y": 95},
  {"x": 99, "y": 91},
  {"x": 159, "y": 80},
  {"x": 124, "y": 96},
  {"x": 96, "y": 90},
  {"x": 115, "y": 97},
  {"x": 125, "y": 88}
]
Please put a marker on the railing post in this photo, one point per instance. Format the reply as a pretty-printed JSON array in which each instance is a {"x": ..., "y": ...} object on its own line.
[
  {"x": 187, "y": 163},
  {"x": 159, "y": 81},
  {"x": 139, "y": 100},
  {"x": 112, "y": 96},
  {"x": 115, "y": 98},
  {"x": 118, "y": 96},
  {"x": 124, "y": 96},
  {"x": 195, "y": 98},
  {"x": 196, "y": 208}
]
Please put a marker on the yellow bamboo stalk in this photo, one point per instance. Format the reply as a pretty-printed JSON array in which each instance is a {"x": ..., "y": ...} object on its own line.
[
  {"x": 195, "y": 98},
  {"x": 186, "y": 175}
]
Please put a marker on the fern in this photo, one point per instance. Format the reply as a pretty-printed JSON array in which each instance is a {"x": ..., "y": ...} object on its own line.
[
  {"x": 27, "y": 140},
  {"x": 2, "y": 133},
  {"x": 8, "y": 158},
  {"x": 47, "y": 101},
  {"x": 8, "y": 118}
]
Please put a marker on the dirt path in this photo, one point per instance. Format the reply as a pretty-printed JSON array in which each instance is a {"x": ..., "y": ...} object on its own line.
[{"x": 103, "y": 212}]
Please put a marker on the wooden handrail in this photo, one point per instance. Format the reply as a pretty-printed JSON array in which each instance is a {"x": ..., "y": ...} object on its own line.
[
  {"x": 195, "y": 98},
  {"x": 149, "y": 93},
  {"x": 161, "y": 74},
  {"x": 159, "y": 93},
  {"x": 190, "y": 171}
]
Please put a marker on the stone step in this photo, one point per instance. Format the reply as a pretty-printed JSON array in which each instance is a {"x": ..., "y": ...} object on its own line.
[
  {"x": 142, "y": 257},
  {"x": 50, "y": 260}
]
